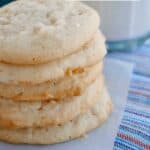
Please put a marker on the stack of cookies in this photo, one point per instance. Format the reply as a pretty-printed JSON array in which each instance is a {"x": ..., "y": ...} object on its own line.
[{"x": 52, "y": 87}]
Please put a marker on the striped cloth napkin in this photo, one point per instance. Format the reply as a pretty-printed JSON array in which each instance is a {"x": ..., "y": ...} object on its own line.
[{"x": 134, "y": 129}]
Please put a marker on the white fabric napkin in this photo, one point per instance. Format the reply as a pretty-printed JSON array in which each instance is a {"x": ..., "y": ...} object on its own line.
[{"x": 118, "y": 75}]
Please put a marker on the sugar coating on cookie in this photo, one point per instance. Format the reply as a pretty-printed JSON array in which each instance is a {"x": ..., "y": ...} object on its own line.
[
  {"x": 40, "y": 31},
  {"x": 49, "y": 113},
  {"x": 78, "y": 127},
  {"x": 72, "y": 85},
  {"x": 89, "y": 54}
]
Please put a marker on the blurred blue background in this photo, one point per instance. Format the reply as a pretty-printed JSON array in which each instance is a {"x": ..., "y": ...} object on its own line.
[{"x": 3, "y": 2}]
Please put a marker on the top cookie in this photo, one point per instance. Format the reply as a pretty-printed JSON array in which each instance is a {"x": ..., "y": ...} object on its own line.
[{"x": 40, "y": 31}]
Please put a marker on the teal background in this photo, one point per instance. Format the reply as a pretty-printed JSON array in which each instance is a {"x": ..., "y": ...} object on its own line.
[
  {"x": 3, "y": 2},
  {"x": 128, "y": 44}
]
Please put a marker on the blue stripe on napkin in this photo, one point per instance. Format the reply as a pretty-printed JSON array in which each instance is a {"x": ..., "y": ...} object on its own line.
[{"x": 134, "y": 129}]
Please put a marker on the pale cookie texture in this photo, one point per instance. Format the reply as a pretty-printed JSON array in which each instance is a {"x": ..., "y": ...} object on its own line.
[
  {"x": 70, "y": 130},
  {"x": 73, "y": 85},
  {"x": 40, "y": 31},
  {"x": 41, "y": 114},
  {"x": 35, "y": 74}
]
